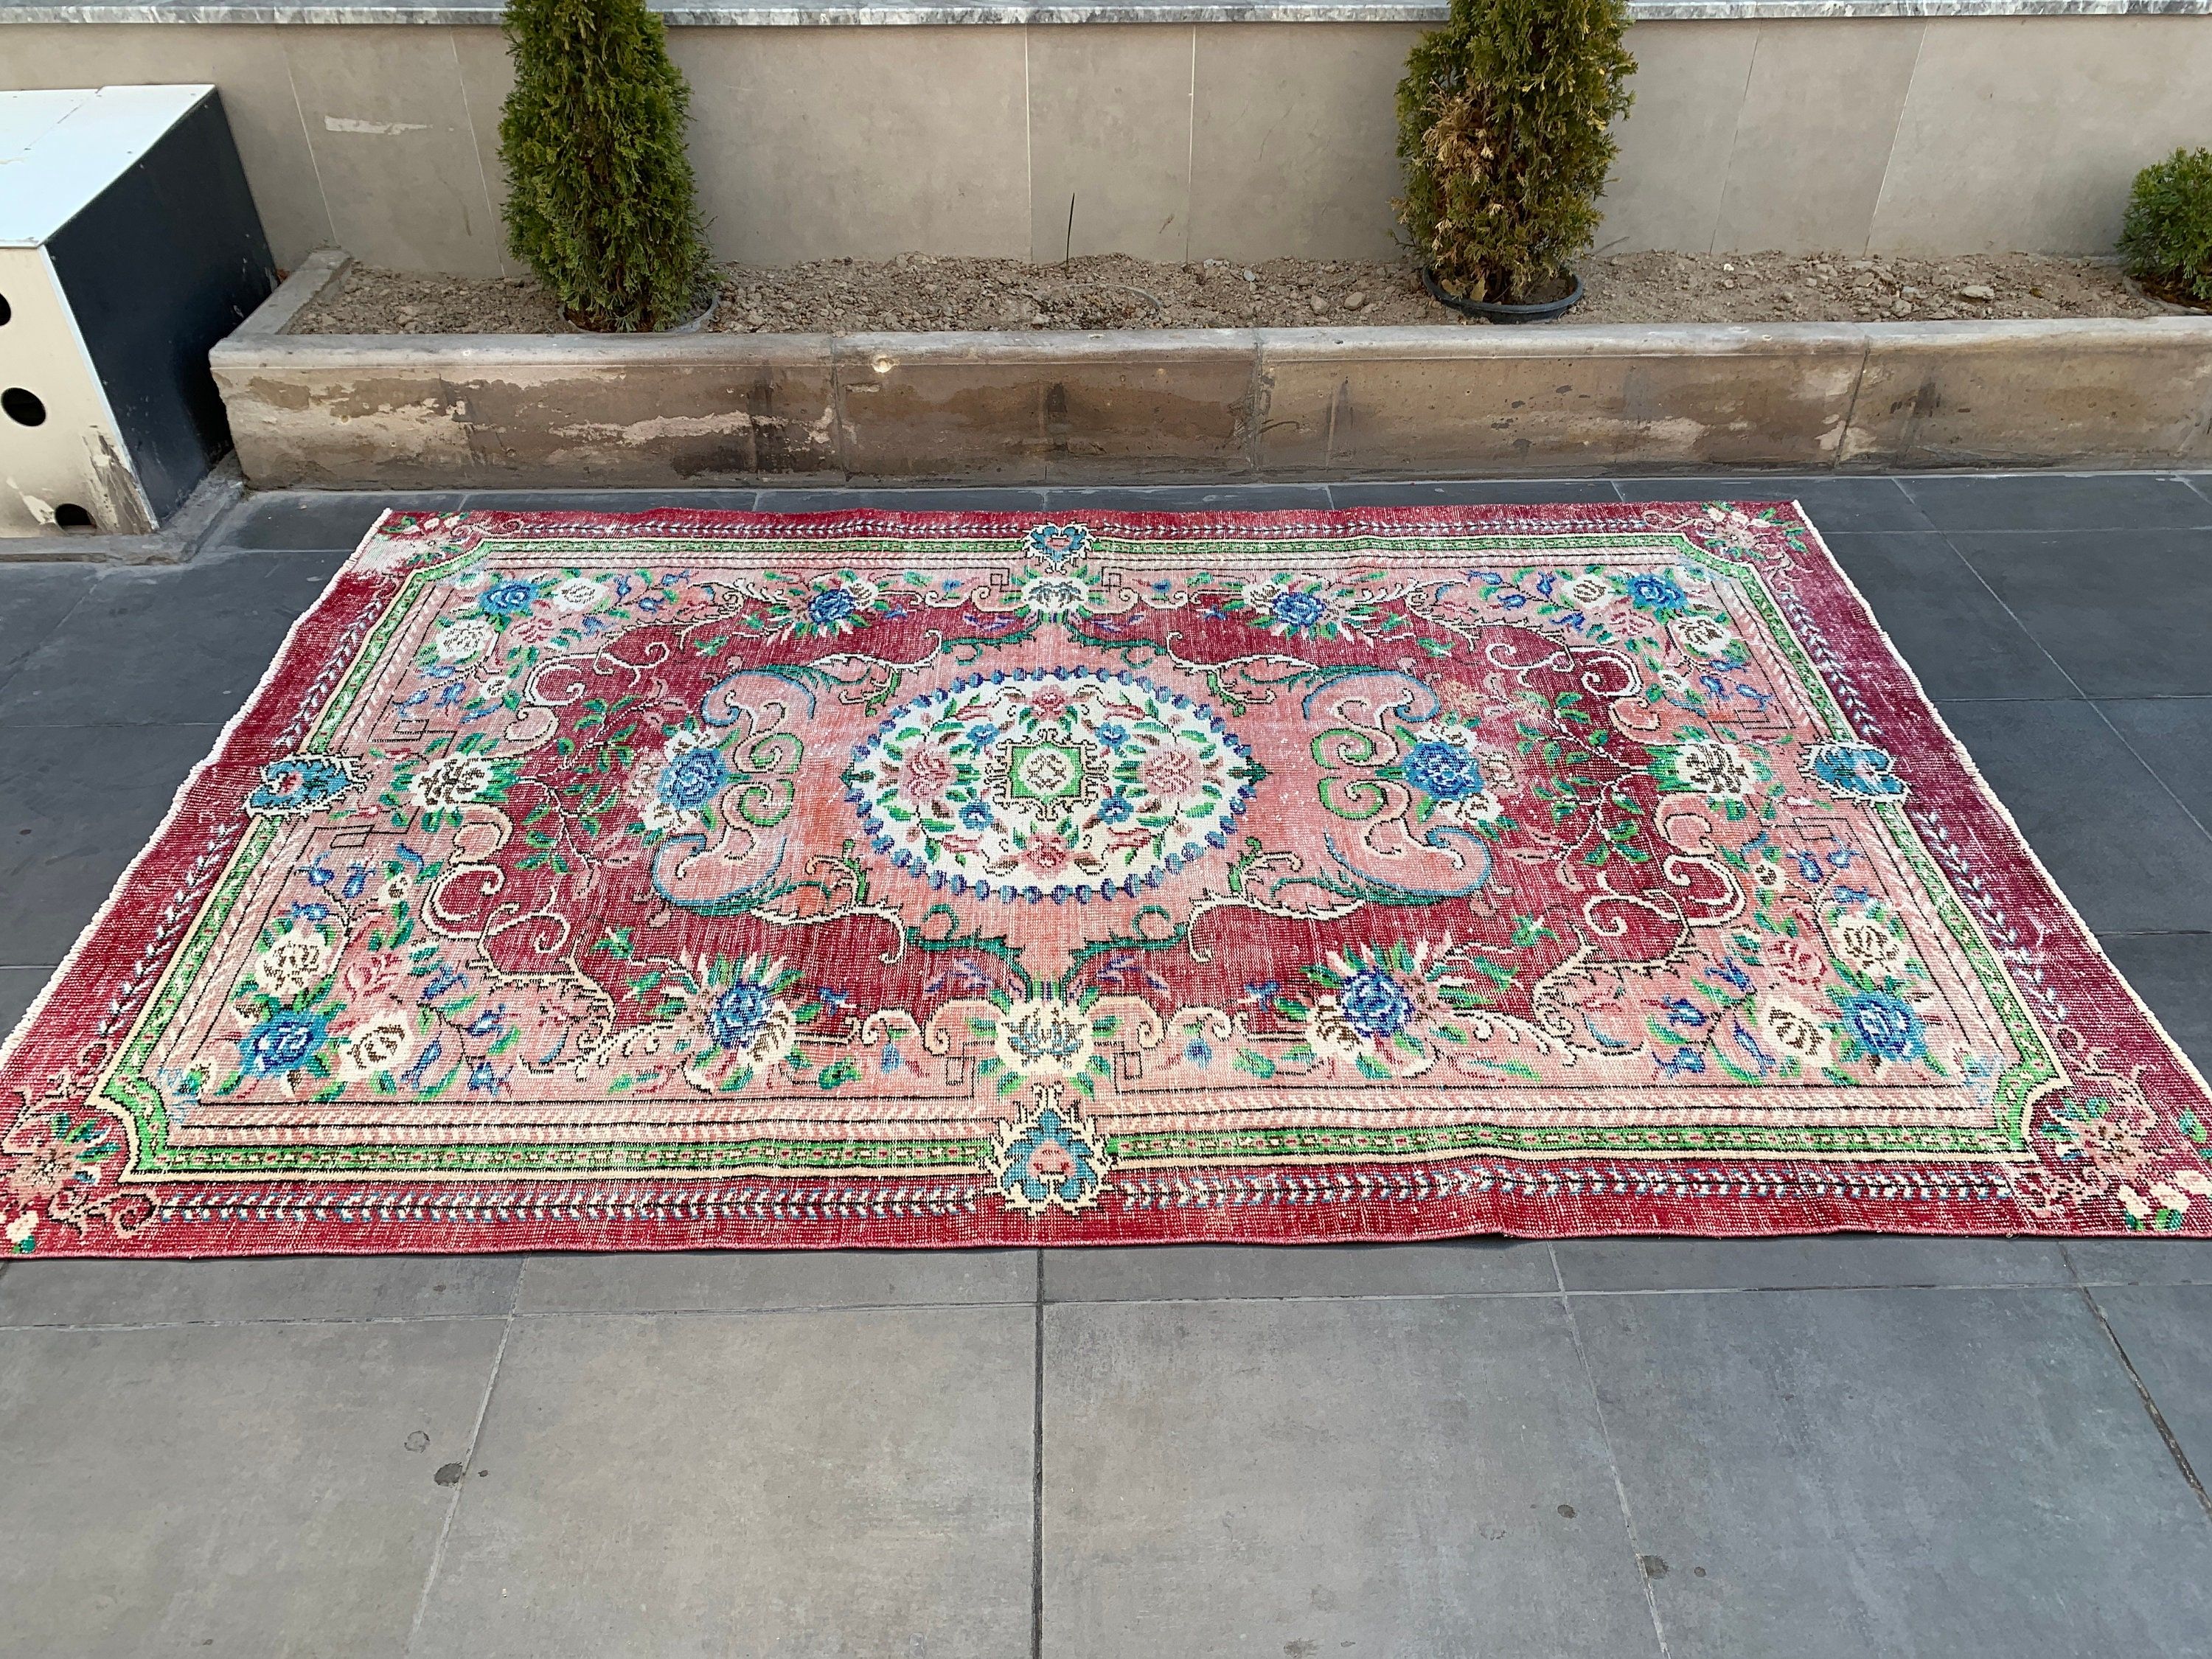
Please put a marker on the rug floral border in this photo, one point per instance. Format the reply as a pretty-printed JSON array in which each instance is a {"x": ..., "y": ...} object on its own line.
[{"x": 2110, "y": 1138}]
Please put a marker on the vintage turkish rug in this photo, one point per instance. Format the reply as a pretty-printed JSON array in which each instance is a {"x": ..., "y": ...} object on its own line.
[{"x": 722, "y": 879}]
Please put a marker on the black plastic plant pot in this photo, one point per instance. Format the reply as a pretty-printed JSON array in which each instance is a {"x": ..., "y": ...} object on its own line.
[
  {"x": 709, "y": 300},
  {"x": 1494, "y": 312}
]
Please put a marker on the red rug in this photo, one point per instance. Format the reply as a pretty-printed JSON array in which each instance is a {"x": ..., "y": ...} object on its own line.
[{"x": 868, "y": 879}]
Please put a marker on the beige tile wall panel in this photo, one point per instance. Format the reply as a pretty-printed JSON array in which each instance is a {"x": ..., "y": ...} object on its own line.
[
  {"x": 1294, "y": 140},
  {"x": 1242, "y": 141},
  {"x": 2024, "y": 132},
  {"x": 487, "y": 76},
  {"x": 389, "y": 123},
  {"x": 817, "y": 143},
  {"x": 1813, "y": 136},
  {"x": 1110, "y": 112},
  {"x": 1673, "y": 168}
]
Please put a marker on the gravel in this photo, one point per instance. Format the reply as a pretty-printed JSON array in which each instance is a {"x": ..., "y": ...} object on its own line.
[{"x": 918, "y": 291}]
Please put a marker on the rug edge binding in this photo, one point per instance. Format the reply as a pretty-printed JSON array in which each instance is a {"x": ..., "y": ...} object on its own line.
[
  {"x": 2051, "y": 884},
  {"x": 177, "y": 803}
]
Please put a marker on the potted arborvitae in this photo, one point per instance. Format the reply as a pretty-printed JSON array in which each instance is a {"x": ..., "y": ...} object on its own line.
[
  {"x": 1505, "y": 128},
  {"x": 600, "y": 197},
  {"x": 2165, "y": 239}
]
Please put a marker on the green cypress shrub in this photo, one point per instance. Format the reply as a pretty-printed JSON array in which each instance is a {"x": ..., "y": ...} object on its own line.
[
  {"x": 599, "y": 198},
  {"x": 1505, "y": 128},
  {"x": 2166, "y": 237}
]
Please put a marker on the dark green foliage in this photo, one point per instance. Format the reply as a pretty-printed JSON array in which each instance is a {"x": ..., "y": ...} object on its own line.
[
  {"x": 1504, "y": 125},
  {"x": 599, "y": 189},
  {"x": 2166, "y": 237}
]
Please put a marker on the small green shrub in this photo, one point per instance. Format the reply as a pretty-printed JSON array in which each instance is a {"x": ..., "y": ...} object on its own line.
[
  {"x": 2166, "y": 237},
  {"x": 599, "y": 189},
  {"x": 1505, "y": 128}
]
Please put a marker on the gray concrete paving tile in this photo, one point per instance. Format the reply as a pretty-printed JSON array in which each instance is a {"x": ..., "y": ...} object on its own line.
[
  {"x": 739, "y": 1281},
  {"x": 2125, "y": 613},
  {"x": 2172, "y": 972},
  {"x": 1415, "y": 1477},
  {"x": 76, "y": 803},
  {"x": 1206, "y": 1272},
  {"x": 151, "y": 645},
  {"x": 18, "y": 986},
  {"x": 1189, "y": 498},
  {"x": 1805, "y": 1263},
  {"x": 268, "y": 1490},
  {"x": 1470, "y": 492},
  {"x": 1899, "y": 1471},
  {"x": 320, "y": 520},
  {"x": 2141, "y": 1260},
  {"x": 609, "y": 501},
  {"x": 791, "y": 499},
  {"x": 36, "y": 1292},
  {"x": 1957, "y": 636},
  {"x": 2166, "y": 1331},
  {"x": 2121, "y": 847},
  {"x": 34, "y": 598},
  {"x": 1834, "y": 503},
  {"x": 2172, "y": 735},
  {"x": 2057, "y": 501},
  {"x": 855, "y": 1483}
]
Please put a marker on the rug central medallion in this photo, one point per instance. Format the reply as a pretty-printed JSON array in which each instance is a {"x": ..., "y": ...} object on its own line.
[
  {"x": 1053, "y": 784},
  {"x": 876, "y": 878}
]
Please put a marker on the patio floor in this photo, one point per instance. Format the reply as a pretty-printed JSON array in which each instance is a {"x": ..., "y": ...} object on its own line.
[{"x": 1846, "y": 1446}]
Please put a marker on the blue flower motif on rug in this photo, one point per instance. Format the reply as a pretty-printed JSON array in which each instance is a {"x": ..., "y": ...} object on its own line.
[
  {"x": 1047, "y": 1160},
  {"x": 1057, "y": 545},
  {"x": 300, "y": 783},
  {"x": 1855, "y": 771}
]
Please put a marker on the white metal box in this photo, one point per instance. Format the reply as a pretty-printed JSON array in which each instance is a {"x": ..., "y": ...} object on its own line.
[{"x": 128, "y": 245}]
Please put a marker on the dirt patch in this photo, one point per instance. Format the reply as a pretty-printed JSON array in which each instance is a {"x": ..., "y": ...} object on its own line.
[{"x": 922, "y": 292}]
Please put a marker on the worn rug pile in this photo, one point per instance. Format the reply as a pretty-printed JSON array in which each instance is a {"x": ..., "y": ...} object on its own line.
[{"x": 868, "y": 879}]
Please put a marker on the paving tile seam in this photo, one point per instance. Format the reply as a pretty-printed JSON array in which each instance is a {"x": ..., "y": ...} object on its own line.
[
  {"x": 1998, "y": 599},
  {"x": 1049, "y": 1303},
  {"x": 109, "y": 726},
  {"x": 2150, "y": 1406},
  {"x": 8, "y": 678},
  {"x": 2143, "y": 761},
  {"x": 1612, "y": 1463},
  {"x": 1036, "y": 1479},
  {"x": 7, "y": 1324},
  {"x": 2064, "y": 1286},
  {"x": 2064, "y": 530},
  {"x": 453, "y": 1501},
  {"x": 127, "y": 1329}
]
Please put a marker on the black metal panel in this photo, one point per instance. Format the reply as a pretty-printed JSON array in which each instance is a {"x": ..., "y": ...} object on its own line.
[{"x": 161, "y": 265}]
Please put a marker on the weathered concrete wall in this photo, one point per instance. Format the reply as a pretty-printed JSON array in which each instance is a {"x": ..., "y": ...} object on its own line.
[
  {"x": 1241, "y": 140},
  {"x": 325, "y": 411}
]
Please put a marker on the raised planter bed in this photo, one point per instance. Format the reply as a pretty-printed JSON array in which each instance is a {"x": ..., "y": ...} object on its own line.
[{"x": 458, "y": 410}]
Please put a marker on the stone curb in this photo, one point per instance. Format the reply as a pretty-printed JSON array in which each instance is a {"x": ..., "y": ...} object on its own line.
[{"x": 464, "y": 411}]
